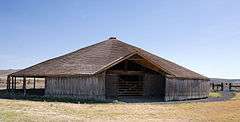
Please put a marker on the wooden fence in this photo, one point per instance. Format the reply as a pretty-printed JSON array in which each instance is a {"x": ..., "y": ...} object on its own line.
[{"x": 225, "y": 86}]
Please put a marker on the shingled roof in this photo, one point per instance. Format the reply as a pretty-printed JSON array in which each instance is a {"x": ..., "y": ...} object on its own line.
[{"x": 96, "y": 58}]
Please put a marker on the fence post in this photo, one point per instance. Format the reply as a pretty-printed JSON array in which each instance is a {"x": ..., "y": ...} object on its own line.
[
  {"x": 212, "y": 86},
  {"x": 221, "y": 86},
  {"x": 230, "y": 86}
]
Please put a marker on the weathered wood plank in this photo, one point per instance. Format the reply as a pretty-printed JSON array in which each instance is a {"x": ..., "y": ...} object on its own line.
[
  {"x": 84, "y": 87},
  {"x": 24, "y": 86},
  {"x": 179, "y": 89}
]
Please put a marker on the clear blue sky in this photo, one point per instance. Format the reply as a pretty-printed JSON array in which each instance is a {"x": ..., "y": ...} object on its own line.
[{"x": 203, "y": 35}]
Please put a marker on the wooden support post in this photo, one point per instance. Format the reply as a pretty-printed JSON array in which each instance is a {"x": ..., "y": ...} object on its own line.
[
  {"x": 212, "y": 86},
  {"x": 24, "y": 86},
  {"x": 15, "y": 83},
  {"x": 221, "y": 86},
  {"x": 12, "y": 83},
  {"x": 8, "y": 83},
  {"x": 34, "y": 83},
  {"x": 230, "y": 86},
  {"x": 45, "y": 85}
]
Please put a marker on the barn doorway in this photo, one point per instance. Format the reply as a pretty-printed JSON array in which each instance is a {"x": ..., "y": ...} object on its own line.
[
  {"x": 130, "y": 85},
  {"x": 134, "y": 78}
]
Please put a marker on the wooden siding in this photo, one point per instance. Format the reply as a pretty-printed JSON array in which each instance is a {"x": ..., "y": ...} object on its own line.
[
  {"x": 111, "y": 85},
  {"x": 180, "y": 89},
  {"x": 154, "y": 85},
  {"x": 82, "y": 87}
]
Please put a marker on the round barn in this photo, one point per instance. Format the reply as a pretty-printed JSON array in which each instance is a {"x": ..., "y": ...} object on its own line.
[{"x": 113, "y": 69}]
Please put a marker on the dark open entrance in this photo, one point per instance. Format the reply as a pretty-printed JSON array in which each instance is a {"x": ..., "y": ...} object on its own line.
[
  {"x": 134, "y": 77},
  {"x": 130, "y": 85}
]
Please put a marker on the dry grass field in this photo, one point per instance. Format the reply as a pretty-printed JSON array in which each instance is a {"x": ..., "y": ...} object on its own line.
[{"x": 32, "y": 111}]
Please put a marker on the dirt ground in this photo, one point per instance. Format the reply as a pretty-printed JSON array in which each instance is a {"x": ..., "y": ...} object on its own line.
[{"x": 20, "y": 110}]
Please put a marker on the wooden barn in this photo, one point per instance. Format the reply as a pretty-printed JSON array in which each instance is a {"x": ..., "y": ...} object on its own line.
[{"x": 113, "y": 69}]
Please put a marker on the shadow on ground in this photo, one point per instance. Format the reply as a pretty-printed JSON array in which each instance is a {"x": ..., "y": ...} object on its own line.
[{"x": 38, "y": 95}]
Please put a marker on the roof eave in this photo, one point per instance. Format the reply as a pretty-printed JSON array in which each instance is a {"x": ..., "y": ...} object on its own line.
[{"x": 188, "y": 78}]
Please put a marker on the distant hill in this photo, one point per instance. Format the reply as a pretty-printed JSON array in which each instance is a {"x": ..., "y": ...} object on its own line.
[
  {"x": 224, "y": 80},
  {"x": 4, "y": 73}
]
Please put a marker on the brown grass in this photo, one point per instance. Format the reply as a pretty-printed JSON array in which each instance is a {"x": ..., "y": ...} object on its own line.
[{"x": 15, "y": 110}]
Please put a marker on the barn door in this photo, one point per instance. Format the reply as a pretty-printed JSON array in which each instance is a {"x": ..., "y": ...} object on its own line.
[{"x": 130, "y": 85}]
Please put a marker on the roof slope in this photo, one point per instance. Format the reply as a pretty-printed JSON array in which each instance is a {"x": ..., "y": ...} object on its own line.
[{"x": 91, "y": 59}]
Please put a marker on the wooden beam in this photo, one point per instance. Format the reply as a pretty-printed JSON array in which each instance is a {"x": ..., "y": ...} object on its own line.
[
  {"x": 8, "y": 83},
  {"x": 230, "y": 86},
  {"x": 24, "y": 86},
  {"x": 45, "y": 85},
  {"x": 135, "y": 59},
  {"x": 34, "y": 83},
  {"x": 122, "y": 72},
  {"x": 15, "y": 83},
  {"x": 213, "y": 86},
  {"x": 12, "y": 83},
  {"x": 222, "y": 87}
]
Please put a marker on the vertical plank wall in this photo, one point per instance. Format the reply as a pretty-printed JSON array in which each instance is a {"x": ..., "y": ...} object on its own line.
[
  {"x": 182, "y": 89},
  {"x": 82, "y": 87}
]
